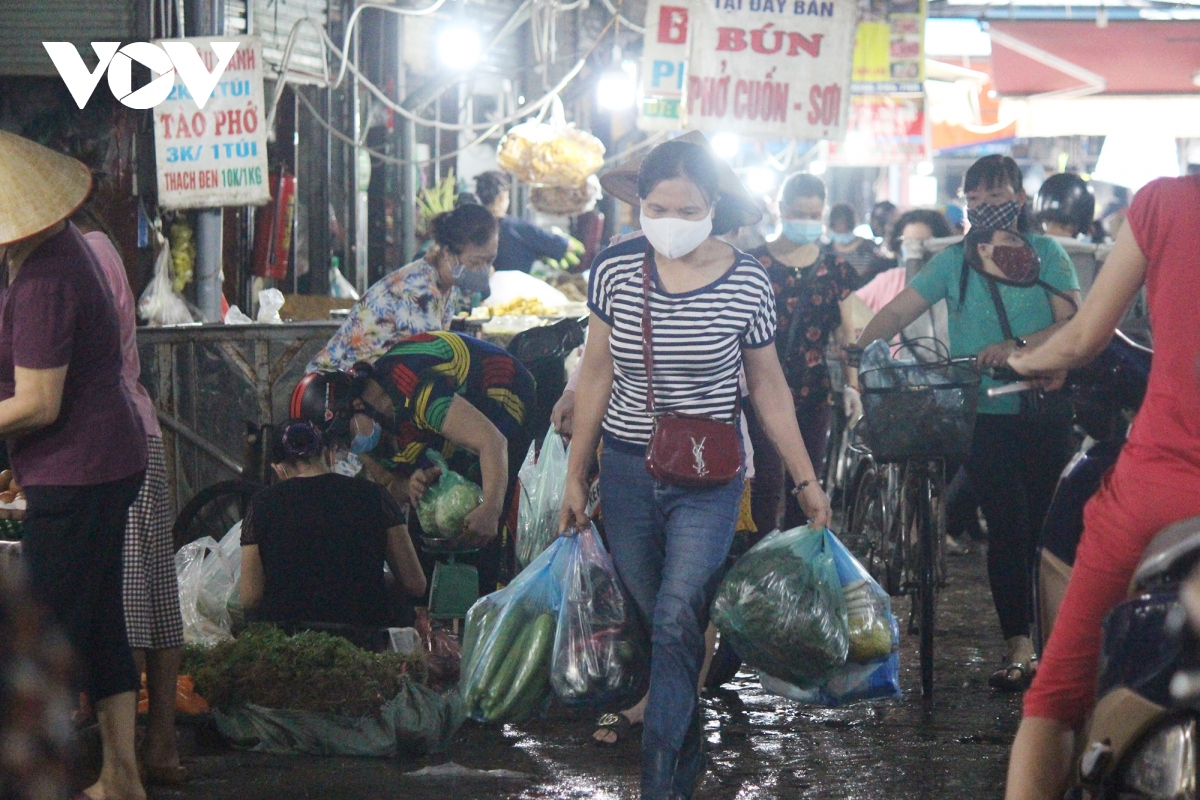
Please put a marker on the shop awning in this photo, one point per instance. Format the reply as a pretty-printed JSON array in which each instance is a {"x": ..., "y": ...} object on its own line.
[{"x": 1124, "y": 58}]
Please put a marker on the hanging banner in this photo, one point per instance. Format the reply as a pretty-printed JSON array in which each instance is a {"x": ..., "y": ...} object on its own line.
[
  {"x": 215, "y": 156},
  {"x": 889, "y": 49},
  {"x": 770, "y": 69},
  {"x": 883, "y": 130}
]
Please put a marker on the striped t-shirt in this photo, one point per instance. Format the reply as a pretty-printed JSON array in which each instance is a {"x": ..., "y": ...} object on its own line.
[{"x": 698, "y": 337}]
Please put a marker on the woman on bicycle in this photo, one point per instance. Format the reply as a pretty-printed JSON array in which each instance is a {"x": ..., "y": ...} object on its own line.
[
  {"x": 1156, "y": 480},
  {"x": 712, "y": 315},
  {"x": 1018, "y": 451}
]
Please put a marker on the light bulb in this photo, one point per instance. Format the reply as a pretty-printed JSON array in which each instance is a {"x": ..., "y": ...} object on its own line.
[
  {"x": 726, "y": 145},
  {"x": 759, "y": 180},
  {"x": 459, "y": 47},
  {"x": 617, "y": 88}
]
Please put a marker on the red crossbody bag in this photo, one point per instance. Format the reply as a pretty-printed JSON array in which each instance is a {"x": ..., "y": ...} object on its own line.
[{"x": 686, "y": 449}]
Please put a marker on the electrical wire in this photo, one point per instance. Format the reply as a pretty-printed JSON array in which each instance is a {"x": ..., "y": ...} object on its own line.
[
  {"x": 624, "y": 154},
  {"x": 624, "y": 21}
]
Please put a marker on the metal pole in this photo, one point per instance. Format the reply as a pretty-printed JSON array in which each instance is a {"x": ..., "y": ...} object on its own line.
[
  {"x": 408, "y": 171},
  {"x": 209, "y": 222},
  {"x": 362, "y": 179}
]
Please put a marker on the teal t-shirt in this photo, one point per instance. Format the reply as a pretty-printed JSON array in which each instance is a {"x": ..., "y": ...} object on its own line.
[{"x": 974, "y": 324}]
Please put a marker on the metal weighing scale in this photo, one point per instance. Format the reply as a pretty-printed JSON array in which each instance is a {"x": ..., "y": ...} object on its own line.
[{"x": 455, "y": 586}]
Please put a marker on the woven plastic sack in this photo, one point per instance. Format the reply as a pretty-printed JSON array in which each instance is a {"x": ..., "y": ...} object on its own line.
[
  {"x": 872, "y": 669},
  {"x": 550, "y": 153},
  {"x": 444, "y": 508},
  {"x": 782, "y": 608},
  {"x": 543, "y": 484},
  {"x": 417, "y": 720},
  {"x": 508, "y": 642},
  {"x": 601, "y": 652}
]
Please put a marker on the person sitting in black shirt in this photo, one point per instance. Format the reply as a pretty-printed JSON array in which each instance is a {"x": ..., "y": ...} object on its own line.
[
  {"x": 521, "y": 242},
  {"x": 314, "y": 544}
]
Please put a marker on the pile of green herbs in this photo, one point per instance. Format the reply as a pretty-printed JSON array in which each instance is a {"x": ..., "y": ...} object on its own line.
[{"x": 308, "y": 671}]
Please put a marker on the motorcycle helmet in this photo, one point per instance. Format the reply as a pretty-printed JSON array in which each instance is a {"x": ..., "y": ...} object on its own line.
[
  {"x": 1066, "y": 199},
  {"x": 323, "y": 398}
]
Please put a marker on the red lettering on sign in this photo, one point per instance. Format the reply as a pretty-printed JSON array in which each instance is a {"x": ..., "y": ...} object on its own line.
[
  {"x": 672, "y": 25},
  {"x": 732, "y": 39}
]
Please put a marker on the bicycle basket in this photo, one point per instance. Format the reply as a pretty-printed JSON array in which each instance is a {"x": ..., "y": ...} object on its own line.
[{"x": 919, "y": 410}]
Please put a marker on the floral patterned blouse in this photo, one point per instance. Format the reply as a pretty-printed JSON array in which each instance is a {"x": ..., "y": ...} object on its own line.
[
  {"x": 806, "y": 306},
  {"x": 402, "y": 304}
]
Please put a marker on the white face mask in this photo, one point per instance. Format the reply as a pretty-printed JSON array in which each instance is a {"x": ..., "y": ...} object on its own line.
[{"x": 674, "y": 237}]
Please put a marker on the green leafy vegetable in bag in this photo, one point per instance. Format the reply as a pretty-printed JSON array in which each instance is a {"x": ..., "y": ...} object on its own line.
[{"x": 444, "y": 508}]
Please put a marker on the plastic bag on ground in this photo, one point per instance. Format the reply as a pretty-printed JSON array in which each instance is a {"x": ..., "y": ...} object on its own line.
[
  {"x": 872, "y": 669},
  {"x": 782, "y": 608},
  {"x": 235, "y": 316},
  {"x": 445, "y": 506},
  {"x": 160, "y": 304},
  {"x": 601, "y": 653},
  {"x": 415, "y": 720},
  {"x": 508, "y": 642},
  {"x": 543, "y": 484}
]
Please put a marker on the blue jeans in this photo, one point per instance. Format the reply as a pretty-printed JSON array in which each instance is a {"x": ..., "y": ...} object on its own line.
[{"x": 669, "y": 545}]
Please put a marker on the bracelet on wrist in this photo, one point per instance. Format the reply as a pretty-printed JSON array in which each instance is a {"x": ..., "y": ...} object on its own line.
[{"x": 799, "y": 487}]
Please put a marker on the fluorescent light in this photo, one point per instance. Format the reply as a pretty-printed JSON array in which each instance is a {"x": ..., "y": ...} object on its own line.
[
  {"x": 1133, "y": 160},
  {"x": 726, "y": 145},
  {"x": 956, "y": 37},
  {"x": 459, "y": 47},
  {"x": 617, "y": 88},
  {"x": 759, "y": 180},
  {"x": 924, "y": 167},
  {"x": 817, "y": 168}
]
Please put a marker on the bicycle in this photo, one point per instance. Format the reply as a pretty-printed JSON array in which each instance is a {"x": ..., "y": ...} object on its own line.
[{"x": 916, "y": 416}]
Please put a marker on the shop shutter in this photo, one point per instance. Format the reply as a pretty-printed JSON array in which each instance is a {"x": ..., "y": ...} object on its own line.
[{"x": 25, "y": 24}]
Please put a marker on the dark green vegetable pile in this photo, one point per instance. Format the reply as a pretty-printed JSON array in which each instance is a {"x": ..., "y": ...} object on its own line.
[
  {"x": 306, "y": 672},
  {"x": 778, "y": 615}
]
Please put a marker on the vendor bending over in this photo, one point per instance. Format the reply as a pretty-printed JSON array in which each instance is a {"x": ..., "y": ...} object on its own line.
[
  {"x": 466, "y": 398},
  {"x": 314, "y": 544}
]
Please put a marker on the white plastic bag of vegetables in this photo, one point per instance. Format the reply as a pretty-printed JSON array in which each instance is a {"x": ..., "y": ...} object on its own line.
[
  {"x": 207, "y": 581},
  {"x": 444, "y": 508},
  {"x": 782, "y": 608},
  {"x": 509, "y": 641},
  {"x": 872, "y": 668},
  {"x": 601, "y": 651},
  {"x": 543, "y": 484},
  {"x": 550, "y": 153}
]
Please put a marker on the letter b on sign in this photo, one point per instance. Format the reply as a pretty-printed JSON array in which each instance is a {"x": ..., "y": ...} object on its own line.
[{"x": 672, "y": 25}]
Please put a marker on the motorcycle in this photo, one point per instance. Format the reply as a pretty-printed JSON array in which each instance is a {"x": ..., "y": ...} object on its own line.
[
  {"x": 1106, "y": 394},
  {"x": 1142, "y": 740}
]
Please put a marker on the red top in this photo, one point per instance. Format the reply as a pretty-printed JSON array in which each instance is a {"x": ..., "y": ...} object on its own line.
[
  {"x": 59, "y": 312},
  {"x": 1165, "y": 220}
]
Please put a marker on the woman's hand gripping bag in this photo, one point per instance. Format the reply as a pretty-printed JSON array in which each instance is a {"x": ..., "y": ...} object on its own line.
[
  {"x": 782, "y": 608},
  {"x": 601, "y": 651},
  {"x": 509, "y": 641},
  {"x": 444, "y": 508},
  {"x": 872, "y": 669}
]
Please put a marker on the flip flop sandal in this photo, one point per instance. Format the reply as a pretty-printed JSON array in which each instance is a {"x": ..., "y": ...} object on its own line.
[
  {"x": 619, "y": 724},
  {"x": 1013, "y": 677}
]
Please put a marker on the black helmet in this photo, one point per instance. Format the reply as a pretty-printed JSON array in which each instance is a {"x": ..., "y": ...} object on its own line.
[
  {"x": 322, "y": 398},
  {"x": 1066, "y": 199}
]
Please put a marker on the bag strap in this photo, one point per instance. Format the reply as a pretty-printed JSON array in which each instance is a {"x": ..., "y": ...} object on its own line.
[
  {"x": 1002, "y": 313},
  {"x": 648, "y": 342}
]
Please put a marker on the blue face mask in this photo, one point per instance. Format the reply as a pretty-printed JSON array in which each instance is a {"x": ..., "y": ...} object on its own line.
[
  {"x": 803, "y": 231},
  {"x": 472, "y": 281},
  {"x": 842, "y": 238},
  {"x": 366, "y": 442}
]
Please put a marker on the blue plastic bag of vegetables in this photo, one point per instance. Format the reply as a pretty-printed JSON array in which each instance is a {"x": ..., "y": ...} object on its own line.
[
  {"x": 508, "y": 642},
  {"x": 601, "y": 651},
  {"x": 872, "y": 668},
  {"x": 782, "y": 608}
]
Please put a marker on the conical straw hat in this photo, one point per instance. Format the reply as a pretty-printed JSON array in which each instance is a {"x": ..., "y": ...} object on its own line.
[{"x": 38, "y": 187}]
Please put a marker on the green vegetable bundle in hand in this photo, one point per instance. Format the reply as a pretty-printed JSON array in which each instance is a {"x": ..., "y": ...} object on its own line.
[
  {"x": 444, "y": 508},
  {"x": 782, "y": 607},
  {"x": 509, "y": 642}
]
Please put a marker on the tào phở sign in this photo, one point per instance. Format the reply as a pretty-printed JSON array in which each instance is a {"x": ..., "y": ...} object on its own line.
[
  {"x": 215, "y": 156},
  {"x": 775, "y": 69}
]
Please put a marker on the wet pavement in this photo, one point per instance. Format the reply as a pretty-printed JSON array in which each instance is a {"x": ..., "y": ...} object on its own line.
[{"x": 760, "y": 746}]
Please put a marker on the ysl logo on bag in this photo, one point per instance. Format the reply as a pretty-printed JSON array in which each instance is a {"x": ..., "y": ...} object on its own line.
[{"x": 698, "y": 456}]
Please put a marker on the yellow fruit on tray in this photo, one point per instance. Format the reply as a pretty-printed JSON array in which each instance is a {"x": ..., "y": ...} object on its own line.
[{"x": 521, "y": 306}]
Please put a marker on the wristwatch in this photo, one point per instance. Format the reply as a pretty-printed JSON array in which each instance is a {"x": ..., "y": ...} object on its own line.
[{"x": 1020, "y": 343}]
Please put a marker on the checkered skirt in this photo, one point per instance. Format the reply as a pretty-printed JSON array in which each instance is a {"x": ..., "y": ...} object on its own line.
[{"x": 151, "y": 592}]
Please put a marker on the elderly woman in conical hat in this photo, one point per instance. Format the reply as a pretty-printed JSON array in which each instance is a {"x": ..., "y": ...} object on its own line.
[{"x": 75, "y": 442}]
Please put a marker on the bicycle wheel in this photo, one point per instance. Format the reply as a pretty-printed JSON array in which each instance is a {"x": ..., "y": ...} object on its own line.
[
  {"x": 925, "y": 598},
  {"x": 213, "y": 511},
  {"x": 872, "y": 537}
]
